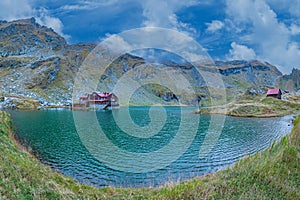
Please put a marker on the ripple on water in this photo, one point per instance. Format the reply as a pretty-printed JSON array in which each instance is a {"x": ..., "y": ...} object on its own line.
[{"x": 53, "y": 138}]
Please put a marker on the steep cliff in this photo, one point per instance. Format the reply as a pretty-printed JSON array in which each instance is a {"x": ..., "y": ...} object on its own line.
[
  {"x": 290, "y": 82},
  {"x": 244, "y": 74}
]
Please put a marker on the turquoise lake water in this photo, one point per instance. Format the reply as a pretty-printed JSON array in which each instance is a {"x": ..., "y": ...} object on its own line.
[{"x": 144, "y": 146}]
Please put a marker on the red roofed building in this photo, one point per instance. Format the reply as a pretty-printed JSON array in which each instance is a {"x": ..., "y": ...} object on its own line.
[
  {"x": 99, "y": 101},
  {"x": 276, "y": 93}
]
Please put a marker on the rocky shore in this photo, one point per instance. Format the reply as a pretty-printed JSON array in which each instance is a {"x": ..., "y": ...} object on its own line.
[{"x": 25, "y": 103}]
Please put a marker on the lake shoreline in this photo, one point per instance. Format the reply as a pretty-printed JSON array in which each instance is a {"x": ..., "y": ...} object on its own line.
[
  {"x": 244, "y": 106},
  {"x": 196, "y": 187},
  {"x": 254, "y": 107}
]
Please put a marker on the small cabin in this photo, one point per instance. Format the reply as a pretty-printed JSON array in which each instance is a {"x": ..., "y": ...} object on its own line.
[
  {"x": 98, "y": 100},
  {"x": 276, "y": 93}
]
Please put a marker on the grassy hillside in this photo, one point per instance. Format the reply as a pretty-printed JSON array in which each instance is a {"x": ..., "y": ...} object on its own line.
[
  {"x": 256, "y": 106},
  {"x": 271, "y": 174},
  {"x": 22, "y": 176}
]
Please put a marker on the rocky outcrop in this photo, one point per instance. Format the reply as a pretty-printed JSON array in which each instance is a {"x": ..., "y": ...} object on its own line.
[
  {"x": 26, "y": 37},
  {"x": 36, "y": 62},
  {"x": 290, "y": 82},
  {"x": 11, "y": 63},
  {"x": 43, "y": 73},
  {"x": 248, "y": 73},
  {"x": 76, "y": 53}
]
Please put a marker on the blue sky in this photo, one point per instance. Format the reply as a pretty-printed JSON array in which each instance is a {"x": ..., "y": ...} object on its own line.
[{"x": 267, "y": 30}]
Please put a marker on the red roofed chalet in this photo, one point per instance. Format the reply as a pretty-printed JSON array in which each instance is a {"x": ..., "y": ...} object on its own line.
[
  {"x": 276, "y": 93},
  {"x": 99, "y": 101}
]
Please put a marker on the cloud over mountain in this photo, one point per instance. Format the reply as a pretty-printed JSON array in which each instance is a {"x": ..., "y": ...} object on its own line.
[
  {"x": 15, "y": 9},
  {"x": 268, "y": 29},
  {"x": 263, "y": 29}
]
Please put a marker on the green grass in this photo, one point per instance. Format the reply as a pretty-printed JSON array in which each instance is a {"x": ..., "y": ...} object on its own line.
[
  {"x": 246, "y": 98},
  {"x": 246, "y": 105},
  {"x": 240, "y": 83},
  {"x": 271, "y": 174},
  {"x": 22, "y": 176},
  {"x": 266, "y": 107},
  {"x": 23, "y": 103}
]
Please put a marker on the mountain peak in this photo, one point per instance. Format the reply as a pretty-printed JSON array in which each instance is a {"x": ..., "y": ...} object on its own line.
[
  {"x": 27, "y": 37},
  {"x": 25, "y": 22}
]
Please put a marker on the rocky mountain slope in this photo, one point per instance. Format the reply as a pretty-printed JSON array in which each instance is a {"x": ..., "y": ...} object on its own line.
[
  {"x": 290, "y": 82},
  {"x": 36, "y": 62},
  {"x": 238, "y": 76},
  {"x": 26, "y": 37}
]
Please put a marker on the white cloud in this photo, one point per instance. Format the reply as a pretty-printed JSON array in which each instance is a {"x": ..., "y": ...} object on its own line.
[
  {"x": 88, "y": 5},
  {"x": 295, "y": 30},
  {"x": 16, "y": 9},
  {"x": 241, "y": 52},
  {"x": 159, "y": 16},
  {"x": 117, "y": 44},
  {"x": 271, "y": 37},
  {"x": 162, "y": 14},
  {"x": 77, "y": 7},
  {"x": 195, "y": 58},
  {"x": 214, "y": 26},
  {"x": 52, "y": 22},
  {"x": 148, "y": 38},
  {"x": 156, "y": 13},
  {"x": 291, "y": 6}
]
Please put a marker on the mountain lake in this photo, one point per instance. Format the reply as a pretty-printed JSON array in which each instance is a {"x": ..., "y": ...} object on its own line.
[{"x": 64, "y": 140}]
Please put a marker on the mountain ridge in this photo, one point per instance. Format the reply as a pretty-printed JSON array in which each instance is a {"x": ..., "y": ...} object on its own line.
[
  {"x": 38, "y": 63},
  {"x": 27, "y": 37}
]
